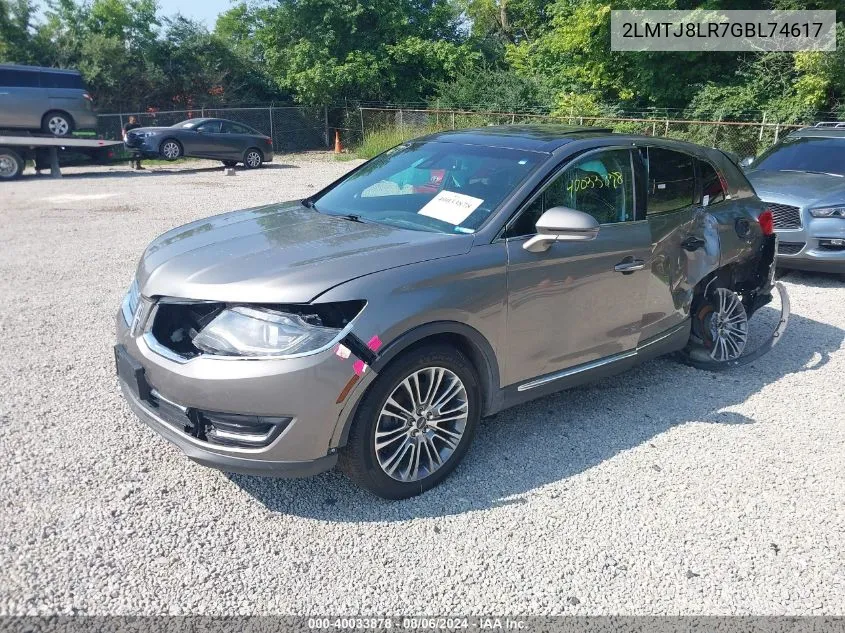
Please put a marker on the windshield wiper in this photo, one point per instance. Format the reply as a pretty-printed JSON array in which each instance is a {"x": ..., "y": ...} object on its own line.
[
  {"x": 352, "y": 217},
  {"x": 308, "y": 203},
  {"x": 810, "y": 171}
]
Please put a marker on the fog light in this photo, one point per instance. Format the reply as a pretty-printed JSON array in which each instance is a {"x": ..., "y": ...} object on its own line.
[
  {"x": 832, "y": 244},
  {"x": 248, "y": 431}
]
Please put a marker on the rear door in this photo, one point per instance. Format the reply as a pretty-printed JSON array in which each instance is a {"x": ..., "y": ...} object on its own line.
[
  {"x": 238, "y": 139},
  {"x": 678, "y": 225},
  {"x": 578, "y": 302},
  {"x": 22, "y": 101}
]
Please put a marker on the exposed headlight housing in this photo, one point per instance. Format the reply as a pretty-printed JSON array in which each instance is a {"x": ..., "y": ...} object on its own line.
[
  {"x": 261, "y": 333},
  {"x": 828, "y": 212}
]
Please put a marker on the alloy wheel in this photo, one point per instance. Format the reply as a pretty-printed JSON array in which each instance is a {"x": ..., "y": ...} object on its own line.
[
  {"x": 170, "y": 150},
  {"x": 253, "y": 159},
  {"x": 58, "y": 126},
  {"x": 421, "y": 424},
  {"x": 726, "y": 326}
]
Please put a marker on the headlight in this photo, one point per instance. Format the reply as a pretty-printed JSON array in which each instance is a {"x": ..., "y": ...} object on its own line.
[
  {"x": 828, "y": 212},
  {"x": 243, "y": 331},
  {"x": 130, "y": 302}
]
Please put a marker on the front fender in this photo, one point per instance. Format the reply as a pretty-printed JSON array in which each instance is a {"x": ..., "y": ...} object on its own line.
[{"x": 464, "y": 295}]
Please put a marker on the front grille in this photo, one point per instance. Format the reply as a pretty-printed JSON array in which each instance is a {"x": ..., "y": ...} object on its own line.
[
  {"x": 789, "y": 248},
  {"x": 785, "y": 216}
]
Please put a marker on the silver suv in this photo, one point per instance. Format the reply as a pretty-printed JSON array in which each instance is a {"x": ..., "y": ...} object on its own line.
[
  {"x": 802, "y": 178},
  {"x": 47, "y": 99},
  {"x": 451, "y": 277}
]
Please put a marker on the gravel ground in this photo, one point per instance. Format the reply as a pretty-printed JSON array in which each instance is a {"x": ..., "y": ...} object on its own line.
[{"x": 667, "y": 490}]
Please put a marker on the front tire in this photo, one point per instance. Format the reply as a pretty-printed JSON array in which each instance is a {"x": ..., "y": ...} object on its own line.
[
  {"x": 170, "y": 149},
  {"x": 57, "y": 123},
  {"x": 415, "y": 423},
  {"x": 253, "y": 158}
]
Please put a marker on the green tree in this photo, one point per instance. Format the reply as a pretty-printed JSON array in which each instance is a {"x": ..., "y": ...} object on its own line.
[{"x": 325, "y": 50}]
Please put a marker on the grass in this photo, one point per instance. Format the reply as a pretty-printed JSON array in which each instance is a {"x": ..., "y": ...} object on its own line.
[{"x": 377, "y": 141}]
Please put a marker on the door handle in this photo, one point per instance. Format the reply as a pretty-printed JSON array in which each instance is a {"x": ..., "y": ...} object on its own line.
[
  {"x": 692, "y": 243},
  {"x": 629, "y": 265}
]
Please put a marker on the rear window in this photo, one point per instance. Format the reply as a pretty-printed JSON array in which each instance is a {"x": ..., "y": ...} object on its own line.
[
  {"x": 671, "y": 180},
  {"x": 10, "y": 78},
  {"x": 61, "y": 80},
  {"x": 812, "y": 154}
]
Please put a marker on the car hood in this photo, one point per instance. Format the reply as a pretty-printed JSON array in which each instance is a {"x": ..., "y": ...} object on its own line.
[
  {"x": 798, "y": 188},
  {"x": 280, "y": 253}
]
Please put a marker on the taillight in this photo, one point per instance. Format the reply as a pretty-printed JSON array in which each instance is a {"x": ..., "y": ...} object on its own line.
[
  {"x": 269, "y": 141},
  {"x": 767, "y": 222}
]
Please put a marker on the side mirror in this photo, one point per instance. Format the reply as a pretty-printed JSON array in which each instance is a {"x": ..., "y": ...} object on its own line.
[
  {"x": 746, "y": 162},
  {"x": 562, "y": 224}
]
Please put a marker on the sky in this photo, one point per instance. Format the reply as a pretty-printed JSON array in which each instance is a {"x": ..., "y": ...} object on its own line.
[
  {"x": 202, "y": 10},
  {"x": 205, "y": 11}
]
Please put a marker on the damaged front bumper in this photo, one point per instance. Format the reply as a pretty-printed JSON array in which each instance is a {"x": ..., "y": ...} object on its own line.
[{"x": 269, "y": 418}]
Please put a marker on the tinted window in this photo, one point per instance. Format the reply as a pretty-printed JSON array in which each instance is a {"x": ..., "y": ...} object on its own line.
[
  {"x": 442, "y": 187},
  {"x": 812, "y": 154},
  {"x": 671, "y": 180},
  {"x": 599, "y": 184},
  {"x": 235, "y": 128},
  {"x": 61, "y": 80},
  {"x": 18, "y": 78},
  {"x": 211, "y": 127},
  {"x": 712, "y": 187}
]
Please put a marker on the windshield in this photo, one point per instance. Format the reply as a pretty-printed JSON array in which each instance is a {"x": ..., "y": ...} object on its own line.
[
  {"x": 807, "y": 153},
  {"x": 442, "y": 187},
  {"x": 188, "y": 123}
]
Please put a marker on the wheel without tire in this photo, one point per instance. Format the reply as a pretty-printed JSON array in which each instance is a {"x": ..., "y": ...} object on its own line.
[
  {"x": 415, "y": 423},
  {"x": 170, "y": 149},
  {"x": 57, "y": 124},
  {"x": 229, "y": 163},
  {"x": 253, "y": 158},
  {"x": 11, "y": 164}
]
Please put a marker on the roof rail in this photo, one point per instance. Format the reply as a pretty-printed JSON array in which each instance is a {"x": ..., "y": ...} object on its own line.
[{"x": 830, "y": 124}]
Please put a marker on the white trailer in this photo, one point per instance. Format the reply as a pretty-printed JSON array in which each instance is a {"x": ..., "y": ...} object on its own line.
[{"x": 16, "y": 148}]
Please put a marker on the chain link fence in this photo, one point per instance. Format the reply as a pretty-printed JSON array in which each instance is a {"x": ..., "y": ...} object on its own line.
[
  {"x": 292, "y": 128},
  {"x": 302, "y": 128},
  {"x": 743, "y": 138}
]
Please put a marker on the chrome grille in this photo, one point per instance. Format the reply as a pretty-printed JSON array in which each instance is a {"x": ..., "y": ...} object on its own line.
[
  {"x": 789, "y": 248},
  {"x": 785, "y": 216}
]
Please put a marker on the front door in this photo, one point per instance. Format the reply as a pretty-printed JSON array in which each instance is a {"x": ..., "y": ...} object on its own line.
[
  {"x": 22, "y": 101},
  {"x": 578, "y": 302},
  {"x": 206, "y": 140}
]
